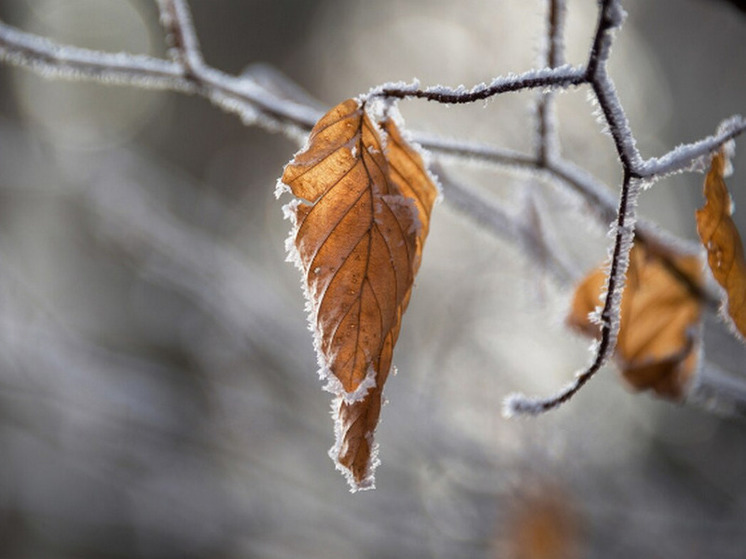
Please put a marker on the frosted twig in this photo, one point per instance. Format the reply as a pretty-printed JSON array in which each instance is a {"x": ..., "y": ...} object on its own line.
[
  {"x": 234, "y": 94},
  {"x": 180, "y": 34},
  {"x": 54, "y": 60},
  {"x": 561, "y": 77},
  {"x": 684, "y": 156},
  {"x": 609, "y": 317},
  {"x": 547, "y": 144},
  {"x": 248, "y": 98},
  {"x": 610, "y": 18}
]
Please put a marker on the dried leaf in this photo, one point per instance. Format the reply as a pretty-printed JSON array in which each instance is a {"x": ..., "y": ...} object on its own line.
[
  {"x": 658, "y": 342},
  {"x": 723, "y": 243},
  {"x": 359, "y": 226}
]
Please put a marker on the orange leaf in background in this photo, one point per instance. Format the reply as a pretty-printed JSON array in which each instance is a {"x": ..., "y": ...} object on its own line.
[
  {"x": 723, "y": 243},
  {"x": 657, "y": 346},
  {"x": 360, "y": 224},
  {"x": 541, "y": 524}
]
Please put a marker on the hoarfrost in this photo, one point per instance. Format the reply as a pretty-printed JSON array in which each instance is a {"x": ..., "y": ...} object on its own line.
[
  {"x": 696, "y": 156},
  {"x": 280, "y": 189}
]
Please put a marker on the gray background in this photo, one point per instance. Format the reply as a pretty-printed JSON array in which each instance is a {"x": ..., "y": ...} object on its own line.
[{"x": 158, "y": 394}]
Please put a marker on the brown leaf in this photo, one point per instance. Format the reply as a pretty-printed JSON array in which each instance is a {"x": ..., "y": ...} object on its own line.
[
  {"x": 657, "y": 346},
  {"x": 360, "y": 225},
  {"x": 723, "y": 243}
]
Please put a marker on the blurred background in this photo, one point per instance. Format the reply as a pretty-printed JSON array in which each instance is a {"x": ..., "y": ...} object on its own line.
[{"x": 158, "y": 387}]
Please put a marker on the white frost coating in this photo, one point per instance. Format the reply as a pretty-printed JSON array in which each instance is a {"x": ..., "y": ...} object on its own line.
[
  {"x": 617, "y": 121},
  {"x": 552, "y": 55},
  {"x": 373, "y": 461},
  {"x": 515, "y": 404},
  {"x": 564, "y": 73},
  {"x": 616, "y": 14},
  {"x": 727, "y": 127},
  {"x": 696, "y": 155},
  {"x": 280, "y": 189},
  {"x": 182, "y": 22},
  {"x": 723, "y": 313},
  {"x": 625, "y": 235},
  {"x": 241, "y": 95},
  {"x": 249, "y": 113},
  {"x": 374, "y": 92},
  {"x": 365, "y": 386},
  {"x": 53, "y": 60}
]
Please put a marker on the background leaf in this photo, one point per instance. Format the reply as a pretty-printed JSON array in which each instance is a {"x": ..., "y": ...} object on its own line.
[
  {"x": 658, "y": 337},
  {"x": 723, "y": 242}
]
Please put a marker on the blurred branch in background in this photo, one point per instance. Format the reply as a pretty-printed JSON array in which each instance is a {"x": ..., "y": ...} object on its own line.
[{"x": 157, "y": 398}]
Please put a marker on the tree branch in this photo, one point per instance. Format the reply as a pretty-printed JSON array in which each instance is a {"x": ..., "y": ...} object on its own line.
[
  {"x": 610, "y": 314},
  {"x": 181, "y": 36},
  {"x": 561, "y": 77},
  {"x": 547, "y": 142}
]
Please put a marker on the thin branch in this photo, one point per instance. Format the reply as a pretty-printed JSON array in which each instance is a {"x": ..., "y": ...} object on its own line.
[
  {"x": 609, "y": 317},
  {"x": 63, "y": 61},
  {"x": 54, "y": 60},
  {"x": 547, "y": 141},
  {"x": 556, "y": 22},
  {"x": 561, "y": 77},
  {"x": 234, "y": 94},
  {"x": 683, "y": 157},
  {"x": 610, "y": 18},
  {"x": 256, "y": 104},
  {"x": 181, "y": 35}
]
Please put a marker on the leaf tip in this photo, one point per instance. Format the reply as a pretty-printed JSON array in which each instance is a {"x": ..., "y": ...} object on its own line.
[{"x": 360, "y": 478}]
